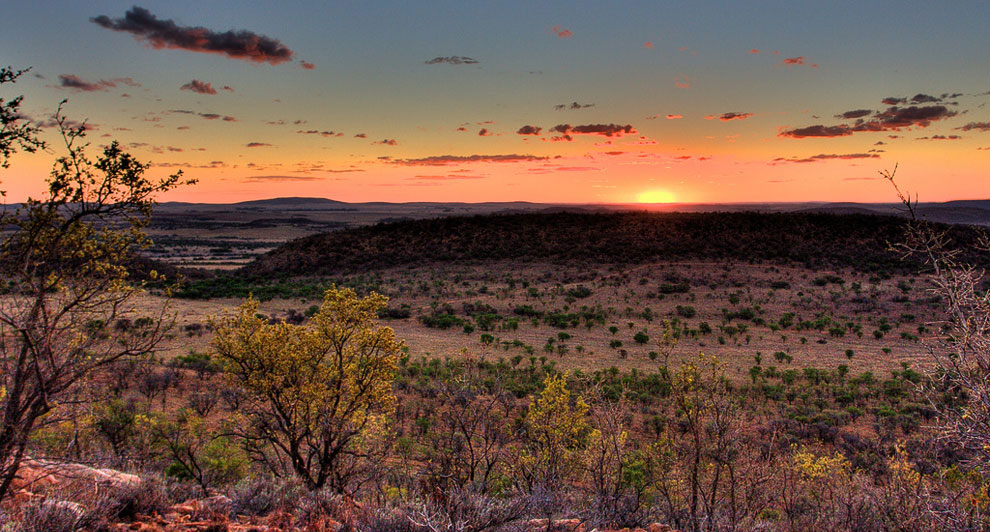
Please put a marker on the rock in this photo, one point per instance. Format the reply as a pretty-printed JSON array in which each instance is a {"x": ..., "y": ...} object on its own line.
[{"x": 39, "y": 476}]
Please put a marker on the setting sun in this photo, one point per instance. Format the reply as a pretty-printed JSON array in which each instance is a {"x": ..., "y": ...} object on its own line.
[{"x": 655, "y": 196}]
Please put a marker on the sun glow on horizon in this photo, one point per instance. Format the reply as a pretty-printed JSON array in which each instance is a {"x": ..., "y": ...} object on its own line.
[{"x": 655, "y": 196}]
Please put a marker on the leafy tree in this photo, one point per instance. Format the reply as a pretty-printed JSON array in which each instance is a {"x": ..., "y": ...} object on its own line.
[
  {"x": 14, "y": 131},
  {"x": 315, "y": 395},
  {"x": 197, "y": 451},
  {"x": 556, "y": 431},
  {"x": 63, "y": 260}
]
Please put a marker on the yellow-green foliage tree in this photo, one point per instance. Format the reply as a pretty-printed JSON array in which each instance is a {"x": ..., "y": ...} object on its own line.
[
  {"x": 556, "y": 432},
  {"x": 317, "y": 393},
  {"x": 64, "y": 280}
]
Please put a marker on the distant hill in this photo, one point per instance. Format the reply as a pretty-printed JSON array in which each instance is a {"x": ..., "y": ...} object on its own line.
[
  {"x": 815, "y": 239},
  {"x": 290, "y": 202}
]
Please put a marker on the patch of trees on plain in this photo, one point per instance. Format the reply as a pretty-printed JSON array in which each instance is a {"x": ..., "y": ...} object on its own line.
[{"x": 815, "y": 240}]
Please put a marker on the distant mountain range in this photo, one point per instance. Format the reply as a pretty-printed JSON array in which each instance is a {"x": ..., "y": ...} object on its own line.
[{"x": 971, "y": 212}]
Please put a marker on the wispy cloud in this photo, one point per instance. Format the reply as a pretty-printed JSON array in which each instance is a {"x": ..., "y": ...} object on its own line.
[
  {"x": 257, "y": 144},
  {"x": 74, "y": 82},
  {"x": 798, "y": 61},
  {"x": 857, "y": 113},
  {"x": 529, "y": 130},
  {"x": 725, "y": 117},
  {"x": 281, "y": 178},
  {"x": 321, "y": 133},
  {"x": 978, "y": 126},
  {"x": 572, "y": 105},
  {"x": 940, "y": 137},
  {"x": 200, "y": 87},
  {"x": 562, "y": 32},
  {"x": 386, "y": 142},
  {"x": 826, "y": 157},
  {"x": 448, "y": 177},
  {"x": 605, "y": 130},
  {"x": 452, "y": 60},
  {"x": 158, "y": 33},
  {"x": 892, "y": 119},
  {"x": 447, "y": 160}
]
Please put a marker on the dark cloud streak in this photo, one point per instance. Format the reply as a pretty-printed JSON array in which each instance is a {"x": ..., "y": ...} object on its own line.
[{"x": 158, "y": 34}]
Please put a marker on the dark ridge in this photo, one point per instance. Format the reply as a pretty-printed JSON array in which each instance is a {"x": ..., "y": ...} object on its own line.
[
  {"x": 295, "y": 201},
  {"x": 816, "y": 240}
]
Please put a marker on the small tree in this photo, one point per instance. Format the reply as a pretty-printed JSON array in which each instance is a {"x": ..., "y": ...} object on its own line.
[
  {"x": 197, "y": 451},
  {"x": 556, "y": 430},
  {"x": 960, "y": 345},
  {"x": 316, "y": 394},
  {"x": 64, "y": 279}
]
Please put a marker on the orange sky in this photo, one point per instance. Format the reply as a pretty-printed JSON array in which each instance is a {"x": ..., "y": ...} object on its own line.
[{"x": 394, "y": 102}]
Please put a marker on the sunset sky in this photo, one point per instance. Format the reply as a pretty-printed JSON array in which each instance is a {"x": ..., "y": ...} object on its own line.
[{"x": 568, "y": 102}]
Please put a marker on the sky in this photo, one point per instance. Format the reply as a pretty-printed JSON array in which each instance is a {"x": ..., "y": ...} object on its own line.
[{"x": 569, "y": 102}]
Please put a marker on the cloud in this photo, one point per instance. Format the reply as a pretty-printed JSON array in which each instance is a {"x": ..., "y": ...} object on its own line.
[
  {"x": 281, "y": 178},
  {"x": 209, "y": 116},
  {"x": 72, "y": 81},
  {"x": 452, "y": 60},
  {"x": 817, "y": 131},
  {"x": 572, "y": 105},
  {"x": 892, "y": 119},
  {"x": 899, "y": 117},
  {"x": 563, "y": 33},
  {"x": 920, "y": 98},
  {"x": 529, "y": 130},
  {"x": 321, "y": 133},
  {"x": 754, "y": 51},
  {"x": 940, "y": 137},
  {"x": 449, "y": 177},
  {"x": 386, "y": 142},
  {"x": 605, "y": 130},
  {"x": 798, "y": 61},
  {"x": 858, "y": 113},
  {"x": 484, "y": 132},
  {"x": 647, "y": 44},
  {"x": 360, "y": 135},
  {"x": 827, "y": 156},
  {"x": 980, "y": 126},
  {"x": 924, "y": 98},
  {"x": 200, "y": 86},
  {"x": 674, "y": 117},
  {"x": 682, "y": 82},
  {"x": 158, "y": 34},
  {"x": 726, "y": 117},
  {"x": 257, "y": 144},
  {"x": 446, "y": 160},
  {"x": 307, "y": 65}
]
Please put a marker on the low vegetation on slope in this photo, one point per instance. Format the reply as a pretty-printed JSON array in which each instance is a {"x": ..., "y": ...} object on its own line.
[{"x": 817, "y": 240}]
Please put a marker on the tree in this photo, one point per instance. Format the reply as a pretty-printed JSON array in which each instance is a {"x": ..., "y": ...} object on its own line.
[
  {"x": 14, "y": 131},
  {"x": 556, "y": 431},
  {"x": 65, "y": 284},
  {"x": 316, "y": 394},
  {"x": 960, "y": 344}
]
